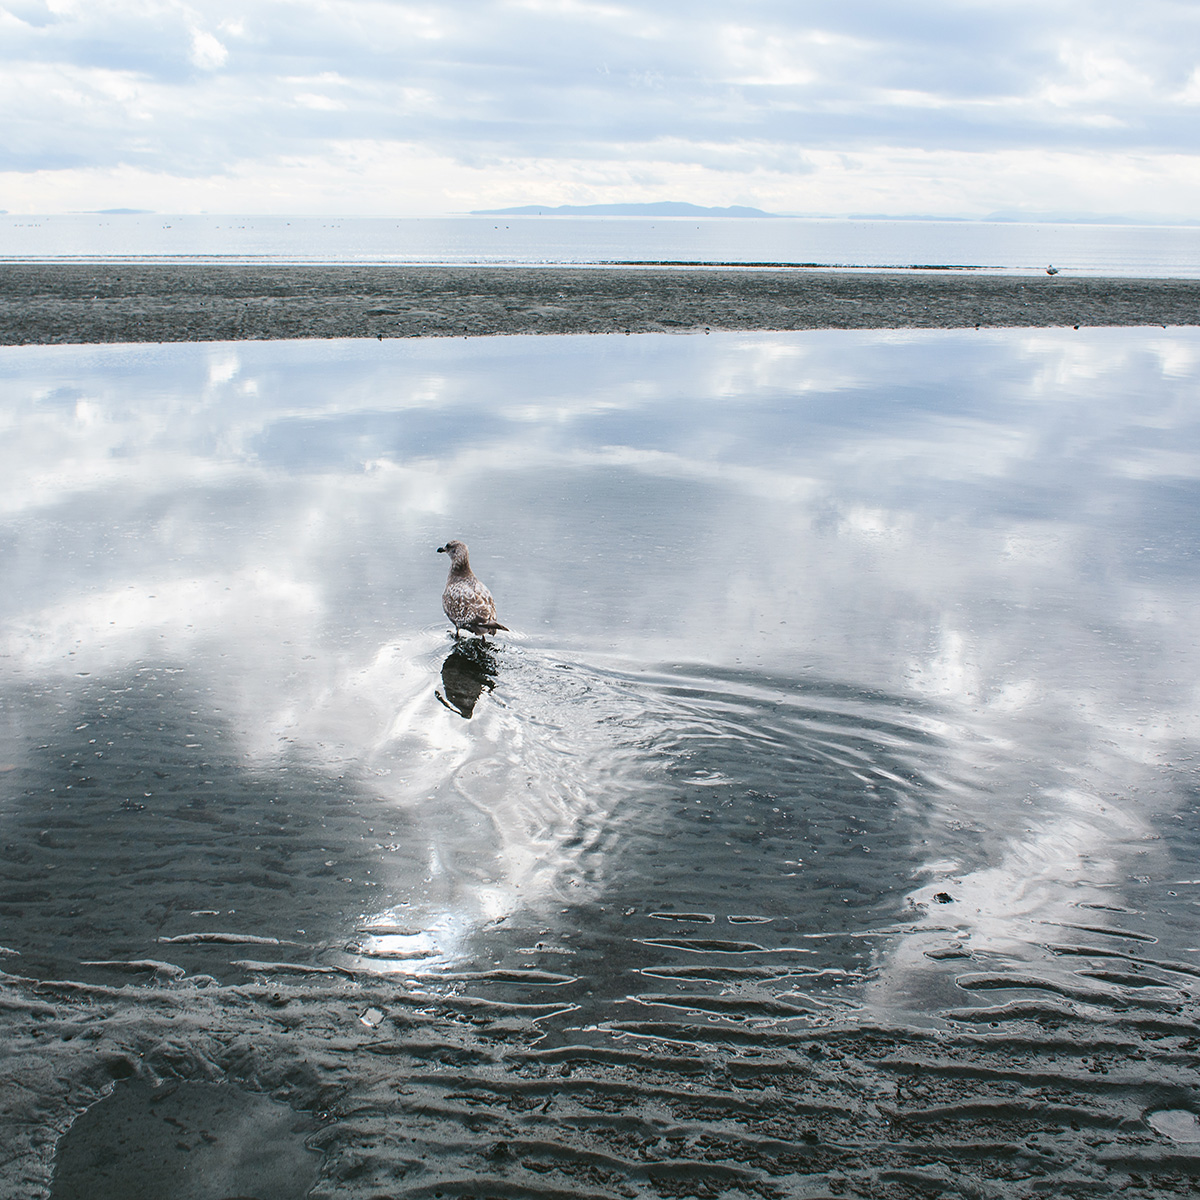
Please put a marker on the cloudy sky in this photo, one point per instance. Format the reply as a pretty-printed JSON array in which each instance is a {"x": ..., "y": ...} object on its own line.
[{"x": 382, "y": 107}]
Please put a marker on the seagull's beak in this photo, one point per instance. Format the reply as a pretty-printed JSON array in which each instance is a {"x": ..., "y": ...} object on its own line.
[{"x": 441, "y": 549}]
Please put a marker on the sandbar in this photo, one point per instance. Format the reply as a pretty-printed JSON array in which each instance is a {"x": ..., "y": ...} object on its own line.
[{"x": 193, "y": 302}]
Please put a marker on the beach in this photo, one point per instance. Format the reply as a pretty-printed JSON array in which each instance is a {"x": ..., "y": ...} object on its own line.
[
  {"x": 118, "y": 302},
  {"x": 753, "y": 929}
]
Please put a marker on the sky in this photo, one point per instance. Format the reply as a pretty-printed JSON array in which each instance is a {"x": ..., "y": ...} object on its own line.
[{"x": 821, "y": 107}]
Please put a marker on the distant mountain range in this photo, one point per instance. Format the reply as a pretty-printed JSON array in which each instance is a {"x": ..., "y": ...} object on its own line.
[{"x": 664, "y": 208}]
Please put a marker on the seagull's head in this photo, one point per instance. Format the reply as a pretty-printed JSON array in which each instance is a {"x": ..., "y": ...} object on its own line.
[{"x": 457, "y": 552}]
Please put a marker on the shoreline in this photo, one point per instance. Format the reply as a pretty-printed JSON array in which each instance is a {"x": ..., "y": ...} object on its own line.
[{"x": 78, "y": 303}]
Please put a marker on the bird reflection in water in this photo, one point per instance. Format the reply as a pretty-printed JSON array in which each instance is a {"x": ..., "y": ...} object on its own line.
[{"x": 470, "y": 669}]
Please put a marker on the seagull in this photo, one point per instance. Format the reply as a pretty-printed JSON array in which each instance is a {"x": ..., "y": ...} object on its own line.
[
  {"x": 1051, "y": 270},
  {"x": 466, "y": 601}
]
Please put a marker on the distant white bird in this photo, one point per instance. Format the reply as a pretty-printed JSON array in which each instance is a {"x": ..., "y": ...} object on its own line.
[
  {"x": 466, "y": 601},
  {"x": 1051, "y": 270}
]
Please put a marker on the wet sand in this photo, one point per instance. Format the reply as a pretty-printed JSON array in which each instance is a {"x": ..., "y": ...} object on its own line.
[
  {"x": 85, "y": 303},
  {"x": 406, "y": 1093}
]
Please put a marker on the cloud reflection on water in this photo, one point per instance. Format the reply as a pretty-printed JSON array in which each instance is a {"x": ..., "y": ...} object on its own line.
[{"x": 998, "y": 525}]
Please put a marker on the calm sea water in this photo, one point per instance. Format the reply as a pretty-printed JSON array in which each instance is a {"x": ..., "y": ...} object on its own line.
[{"x": 1151, "y": 251}]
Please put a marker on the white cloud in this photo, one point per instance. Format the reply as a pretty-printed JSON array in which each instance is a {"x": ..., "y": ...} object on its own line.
[
  {"x": 376, "y": 177},
  {"x": 1095, "y": 75},
  {"x": 566, "y": 100},
  {"x": 320, "y": 102},
  {"x": 207, "y": 52},
  {"x": 1191, "y": 91}
]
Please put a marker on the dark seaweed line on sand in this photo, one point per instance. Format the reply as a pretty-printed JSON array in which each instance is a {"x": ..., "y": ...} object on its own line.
[
  {"x": 799, "y": 266},
  {"x": 90, "y": 303}
]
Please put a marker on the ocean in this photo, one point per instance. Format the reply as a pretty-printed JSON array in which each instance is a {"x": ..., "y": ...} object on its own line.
[{"x": 1092, "y": 250}]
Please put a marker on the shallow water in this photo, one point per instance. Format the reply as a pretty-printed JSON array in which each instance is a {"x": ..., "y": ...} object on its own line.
[{"x": 852, "y": 675}]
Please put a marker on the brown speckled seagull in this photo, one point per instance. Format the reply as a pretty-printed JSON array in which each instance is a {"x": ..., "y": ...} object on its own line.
[{"x": 466, "y": 601}]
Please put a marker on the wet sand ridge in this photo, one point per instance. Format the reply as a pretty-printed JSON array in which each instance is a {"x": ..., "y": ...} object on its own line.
[{"x": 114, "y": 302}]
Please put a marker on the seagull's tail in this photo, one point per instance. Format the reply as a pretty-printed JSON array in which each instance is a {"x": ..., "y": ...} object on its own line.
[{"x": 490, "y": 627}]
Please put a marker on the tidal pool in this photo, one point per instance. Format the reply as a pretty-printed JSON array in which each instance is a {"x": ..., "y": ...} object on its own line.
[{"x": 852, "y": 683}]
